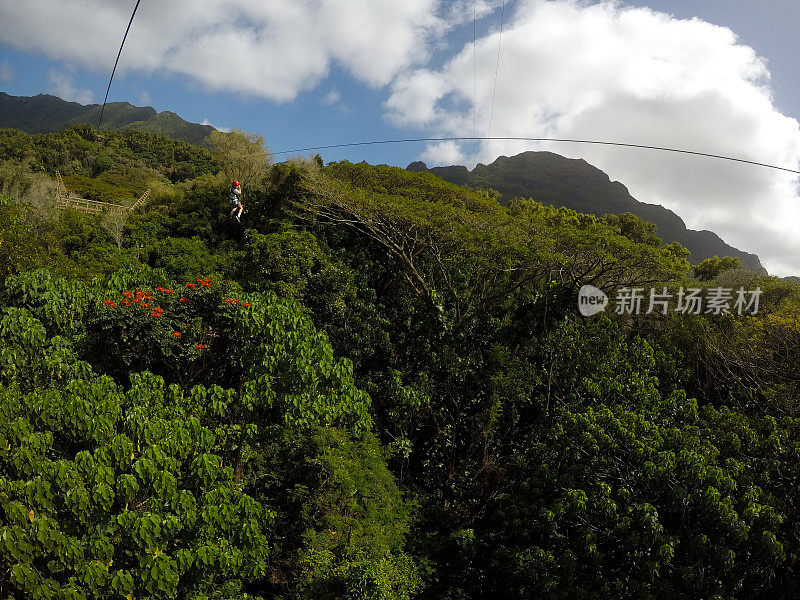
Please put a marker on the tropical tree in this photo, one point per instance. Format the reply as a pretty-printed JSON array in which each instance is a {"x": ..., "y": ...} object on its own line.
[{"x": 242, "y": 156}]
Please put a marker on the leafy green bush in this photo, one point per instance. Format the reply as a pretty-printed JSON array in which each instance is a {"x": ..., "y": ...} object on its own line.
[
  {"x": 161, "y": 490},
  {"x": 106, "y": 492}
]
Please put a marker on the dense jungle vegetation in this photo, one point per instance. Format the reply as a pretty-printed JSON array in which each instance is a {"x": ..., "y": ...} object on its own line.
[{"x": 377, "y": 387}]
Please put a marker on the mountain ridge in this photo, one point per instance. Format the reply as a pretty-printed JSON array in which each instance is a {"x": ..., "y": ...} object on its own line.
[
  {"x": 553, "y": 179},
  {"x": 545, "y": 176},
  {"x": 45, "y": 113}
]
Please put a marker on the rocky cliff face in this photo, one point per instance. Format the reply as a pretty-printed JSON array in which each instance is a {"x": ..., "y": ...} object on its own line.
[{"x": 573, "y": 183}]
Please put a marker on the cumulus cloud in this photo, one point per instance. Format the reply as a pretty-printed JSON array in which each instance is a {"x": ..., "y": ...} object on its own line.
[
  {"x": 273, "y": 50},
  {"x": 6, "y": 72},
  {"x": 64, "y": 87},
  {"x": 444, "y": 153},
  {"x": 603, "y": 71}
]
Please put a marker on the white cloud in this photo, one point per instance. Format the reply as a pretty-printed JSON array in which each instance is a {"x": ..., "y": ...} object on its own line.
[
  {"x": 270, "y": 49},
  {"x": 331, "y": 98},
  {"x": 64, "y": 87},
  {"x": 602, "y": 71},
  {"x": 458, "y": 12},
  {"x": 447, "y": 153},
  {"x": 6, "y": 72},
  {"x": 222, "y": 129},
  {"x": 144, "y": 98}
]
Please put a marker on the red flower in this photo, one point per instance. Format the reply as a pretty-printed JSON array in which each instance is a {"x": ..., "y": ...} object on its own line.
[
  {"x": 246, "y": 304},
  {"x": 183, "y": 299},
  {"x": 199, "y": 346},
  {"x": 191, "y": 285},
  {"x": 177, "y": 334},
  {"x": 127, "y": 294},
  {"x": 157, "y": 312},
  {"x": 125, "y": 302},
  {"x": 110, "y": 303}
]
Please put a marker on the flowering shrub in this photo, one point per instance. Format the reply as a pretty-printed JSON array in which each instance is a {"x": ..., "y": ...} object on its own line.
[
  {"x": 125, "y": 485},
  {"x": 164, "y": 332},
  {"x": 212, "y": 334}
]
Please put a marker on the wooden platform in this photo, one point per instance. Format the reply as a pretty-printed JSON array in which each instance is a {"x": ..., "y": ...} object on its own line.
[
  {"x": 89, "y": 206},
  {"x": 93, "y": 207}
]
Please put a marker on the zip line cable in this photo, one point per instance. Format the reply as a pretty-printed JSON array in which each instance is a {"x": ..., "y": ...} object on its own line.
[
  {"x": 102, "y": 110},
  {"x": 474, "y": 138},
  {"x": 540, "y": 139},
  {"x": 496, "y": 72}
]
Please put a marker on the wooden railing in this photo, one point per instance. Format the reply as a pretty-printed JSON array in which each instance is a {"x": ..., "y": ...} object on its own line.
[
  {"x": 89, "y": 206},
  {"x": 67, "y": 200}
]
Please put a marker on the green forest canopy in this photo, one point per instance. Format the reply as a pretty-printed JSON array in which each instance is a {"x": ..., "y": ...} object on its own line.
[{"x": 378, "y": 388}]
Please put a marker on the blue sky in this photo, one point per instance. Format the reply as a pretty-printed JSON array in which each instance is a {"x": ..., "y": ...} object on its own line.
[
  {"x": 339, "y": 108},
  {"x": 715, "y": 76}
]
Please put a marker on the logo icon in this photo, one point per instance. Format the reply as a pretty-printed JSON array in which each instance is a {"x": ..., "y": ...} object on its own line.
[{"x": 591, "y": 300}]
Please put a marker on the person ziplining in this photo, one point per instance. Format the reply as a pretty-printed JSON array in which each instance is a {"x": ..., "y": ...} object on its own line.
[{"x": 235, "y": 199}]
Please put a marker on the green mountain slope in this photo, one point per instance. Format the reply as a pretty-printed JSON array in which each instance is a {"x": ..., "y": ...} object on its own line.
[
  {"x": 573, "y": 183},
  {"x": 47, "y": 114}
]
